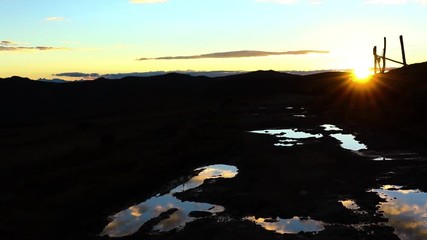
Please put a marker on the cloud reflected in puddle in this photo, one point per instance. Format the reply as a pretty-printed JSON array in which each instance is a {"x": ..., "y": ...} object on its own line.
[
  {"x": 176, "y": 213},
  {"x": 288, "y": 226},
  {"x": 406, "y": 211}
]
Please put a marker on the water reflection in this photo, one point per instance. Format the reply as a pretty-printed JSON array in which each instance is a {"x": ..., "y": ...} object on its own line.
[
  {"x": 289, "y": 226},
  {"x": 350, "y": 204},
  {"x": 398, "y": 156},
  {"x": 293, "y": 137},
  {"x": 210, "y": 172},
  {"x": 288, "y": 133},
  {"x": 288, "y": 137},
  {"x": 130, "y": 220},
  {"x": 330, "y": 127},
  {"x": 349, "y": 142},
  {"x": 406, "y": 211},
  {"x": 382, "y": 159}
]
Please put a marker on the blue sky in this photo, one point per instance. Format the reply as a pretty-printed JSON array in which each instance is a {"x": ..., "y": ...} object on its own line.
[{"x": 109, "y": 36}]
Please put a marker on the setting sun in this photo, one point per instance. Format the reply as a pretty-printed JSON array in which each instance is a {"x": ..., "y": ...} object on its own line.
[{"x": 362, "y": 75}]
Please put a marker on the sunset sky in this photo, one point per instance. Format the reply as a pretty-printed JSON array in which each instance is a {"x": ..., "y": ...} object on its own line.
[{"x": 44, "y": 38}]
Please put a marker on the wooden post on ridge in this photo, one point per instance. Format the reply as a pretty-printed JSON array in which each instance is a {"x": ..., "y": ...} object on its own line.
[
  {"x": 403, "y": 51},
  {"x": 384, "y": 51},
  {"x": 375, "y": 60},
  {"x": 381, "y": 66}
]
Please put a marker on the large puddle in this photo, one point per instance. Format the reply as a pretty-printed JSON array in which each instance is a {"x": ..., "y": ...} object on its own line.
[
  {"x": 166, "y": 212},
  {"x": 288, "y": 226},
  {"x": 406, "y": 211}
]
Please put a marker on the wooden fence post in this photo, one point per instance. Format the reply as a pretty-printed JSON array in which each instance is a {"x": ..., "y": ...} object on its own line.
[
  {"x": 375, "y": 60},
  {"x": 384, "y": 51},
  {"x": 403, "y": 50}
]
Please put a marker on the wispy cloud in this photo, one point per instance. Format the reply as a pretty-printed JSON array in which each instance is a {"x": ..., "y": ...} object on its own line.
[
  {"x": 78, "y": 75},
  {"x": 55, "y": 19},
  {"x": 6, "y": 45},
  {"x": 237, "y": 54},
  {"x": 147, "y": 1},
  {"x": 385, "y": 2}
]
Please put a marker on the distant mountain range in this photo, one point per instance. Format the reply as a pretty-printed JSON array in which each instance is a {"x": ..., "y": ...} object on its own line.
[{"x": 211, "y": 74}]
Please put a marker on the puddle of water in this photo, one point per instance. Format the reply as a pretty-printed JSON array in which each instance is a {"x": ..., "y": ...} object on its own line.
[
  {"x": 389, "y": 156},
  {"x": 287, "y": 137},
  {"x": 288, "y": 140},
  {"x": 382, "y": 159},
  {"x": 330, "y": 127},
  {"x": 349, "y": 142},
  {"x": 352, "y": 205},
  {"x": 209, "y": 172},
  {"x": 288, "y": 226},
  {"x": 287, "y": 143},
  {"x": 406, "y": 211},
  {"x": 349, "y": 204},
  {"x": 293, "y": 137},
  {"x": 130, "y": 220},
  {"x": 288, "y": 133},
  {"x": 284, "y": 144},
  {"x": 400, "y": 156}
]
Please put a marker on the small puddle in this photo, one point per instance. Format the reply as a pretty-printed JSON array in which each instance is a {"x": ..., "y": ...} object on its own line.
[
  {"x": 166, "y": 212},
  {"x": 352, "y": 205},
  {"x": 209, "y": 172},
  {"x": 288, "y": 137},
  {"x": 349, "y": 204},
  {"x": 382, "y": 159},
  {"x": 398, "y": 156},
  {"x": 330, "y": 127},
  {"x": 406, "y": 211},
  {"x": 288, "y": 226},
  {"x": 288, "y": 133},
  {"x": 349, "y": 142}
]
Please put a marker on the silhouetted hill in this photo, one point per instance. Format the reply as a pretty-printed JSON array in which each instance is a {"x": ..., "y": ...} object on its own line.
[
  {"x": 416, "y": 71},
  {"x": 23, "y": 98},
  {"x": 15, "y": 80}
]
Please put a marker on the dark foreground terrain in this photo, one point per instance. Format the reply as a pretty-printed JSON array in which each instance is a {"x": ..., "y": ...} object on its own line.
[{"x": 74, "y": 154}]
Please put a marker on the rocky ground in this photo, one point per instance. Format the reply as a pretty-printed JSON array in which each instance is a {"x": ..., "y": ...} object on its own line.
[{"x": 74, "y": 154}]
